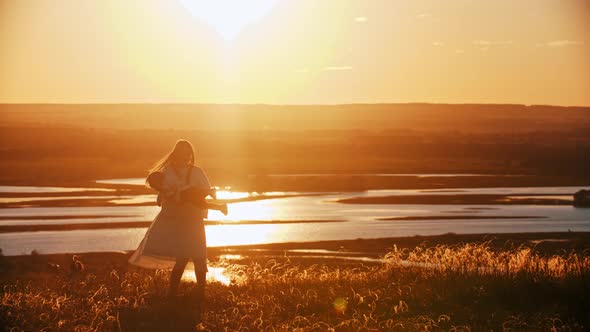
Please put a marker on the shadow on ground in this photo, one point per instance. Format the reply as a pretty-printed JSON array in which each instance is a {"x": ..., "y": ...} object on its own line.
[{"x": 181, "y": 313}]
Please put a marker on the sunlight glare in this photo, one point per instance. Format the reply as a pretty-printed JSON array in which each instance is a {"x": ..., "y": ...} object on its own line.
[
  {"x": 215, "y": 274},
  {"x": 257, "y": 210},
  {"x": 232, "y": 235},
  {"x": 228, "y": 194},
  {"x": 228, "y": 17}
]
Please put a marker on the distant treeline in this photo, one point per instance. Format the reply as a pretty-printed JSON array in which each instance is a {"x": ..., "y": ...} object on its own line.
[
  {"x": 101, "y": 141},
  {"x": 454, "y": 117}
]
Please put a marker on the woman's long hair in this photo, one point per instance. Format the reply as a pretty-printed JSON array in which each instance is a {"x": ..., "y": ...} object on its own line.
[{"x": 164, "y": 161}]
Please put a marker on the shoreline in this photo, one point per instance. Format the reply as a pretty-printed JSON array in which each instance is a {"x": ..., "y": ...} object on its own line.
[
  {"x": 552, "y": 243},
  {"x": 462, "y": 199},
  {"x": 141, "y": 224},
  {"x": 98, "y": 201},
  {"x": 436, "y": 199},
  {"x": 147, "y": 223},
  {"x": 383, "y": 245},
  {"x": 311, "y": 183},
  {"x": 471, "y": 217}
]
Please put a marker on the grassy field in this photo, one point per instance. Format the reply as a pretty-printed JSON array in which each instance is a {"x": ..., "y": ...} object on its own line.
[{"x": 466, "y": 287}]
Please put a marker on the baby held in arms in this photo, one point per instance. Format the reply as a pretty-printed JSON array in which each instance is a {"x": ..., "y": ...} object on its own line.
[{"x": 191, "y": 195}]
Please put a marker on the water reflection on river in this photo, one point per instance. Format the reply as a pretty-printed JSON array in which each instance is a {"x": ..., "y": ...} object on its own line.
[{"x": 359, "y": 221}]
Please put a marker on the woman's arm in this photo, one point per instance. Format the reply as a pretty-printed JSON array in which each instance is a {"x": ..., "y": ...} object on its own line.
[
  {"x": 202, "y": 182},
  {"x": 166, "y": 187}
]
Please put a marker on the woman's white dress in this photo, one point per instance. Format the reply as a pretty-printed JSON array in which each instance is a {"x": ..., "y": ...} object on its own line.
[{"x": 178, "y": 231}]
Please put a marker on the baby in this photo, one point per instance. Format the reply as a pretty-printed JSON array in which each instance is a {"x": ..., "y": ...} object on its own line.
[{"x": 193, "y": 195}]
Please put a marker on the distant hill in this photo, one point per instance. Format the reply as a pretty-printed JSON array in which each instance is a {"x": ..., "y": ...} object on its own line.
[
  {"x": 65, "y": 143},
  {"x": 416, "y": 116}
]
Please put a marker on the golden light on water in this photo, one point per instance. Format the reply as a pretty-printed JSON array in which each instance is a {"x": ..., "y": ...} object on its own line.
[
  {"x": 215, "y": 274},
  {"x": 258, "y": 210},
  {"x": 228, "y": 235},
  {"x": 223, "y": 235},
  {"x": 228, "y": 194},
  {"x": 139, "y": 199}
]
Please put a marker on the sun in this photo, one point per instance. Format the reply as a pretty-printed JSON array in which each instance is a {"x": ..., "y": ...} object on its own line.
[{"x": 228, "y": 17}]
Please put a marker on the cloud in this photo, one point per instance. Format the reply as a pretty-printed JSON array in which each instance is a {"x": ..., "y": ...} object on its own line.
[
  {"x": 485, "y": 45},
  {"x": 304, "y": 70},
  {"x": 423, "y": 15},
  {"x": 489, "y": 43},
  {"x": 337, "y": 68},
  {"x": 562, "y": 43},
  {"x": 437, "y": 43},
  {"x": 360, "y": 19}
]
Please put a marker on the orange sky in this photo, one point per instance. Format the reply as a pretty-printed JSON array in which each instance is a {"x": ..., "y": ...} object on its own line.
[{"x": 295, "y": 52}]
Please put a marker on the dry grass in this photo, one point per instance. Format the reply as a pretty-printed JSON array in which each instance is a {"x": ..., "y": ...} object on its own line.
[{"x": 443, "y": 288}]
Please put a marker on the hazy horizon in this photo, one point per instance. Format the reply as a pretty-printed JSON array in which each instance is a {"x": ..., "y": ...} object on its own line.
[{"x": 303, "y": 105}]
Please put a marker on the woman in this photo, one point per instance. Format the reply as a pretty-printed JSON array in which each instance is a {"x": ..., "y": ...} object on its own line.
[{"x": 177, "y": 234}]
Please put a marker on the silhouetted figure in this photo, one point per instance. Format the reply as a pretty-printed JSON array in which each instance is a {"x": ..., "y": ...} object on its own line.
[{"x": 177, "y": 234}]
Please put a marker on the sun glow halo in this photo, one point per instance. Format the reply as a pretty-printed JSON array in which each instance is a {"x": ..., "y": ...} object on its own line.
[{"x": 228, "y": 17}]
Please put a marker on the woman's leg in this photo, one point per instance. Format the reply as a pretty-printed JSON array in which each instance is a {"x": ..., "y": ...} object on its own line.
[
  {"x": 200, "y": 276},
  {"x": 176, "y": 275}
]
